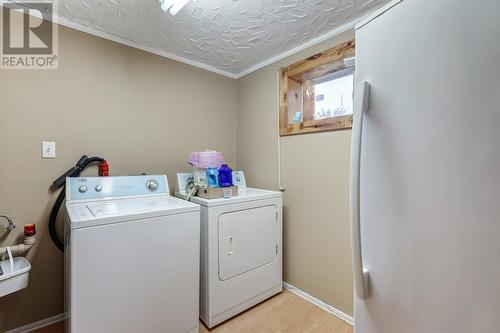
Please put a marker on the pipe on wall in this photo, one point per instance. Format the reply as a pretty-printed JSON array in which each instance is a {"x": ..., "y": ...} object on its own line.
[
  {"x": 26, "y": 245},
  {"x": 281, "y": 187}
]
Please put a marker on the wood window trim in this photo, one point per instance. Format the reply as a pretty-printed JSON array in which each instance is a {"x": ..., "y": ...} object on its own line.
[{"x": 295, "y": 81}]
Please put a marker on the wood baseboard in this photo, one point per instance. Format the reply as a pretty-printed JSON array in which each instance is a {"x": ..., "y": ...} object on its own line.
[
  {"x": 336, "y": 312},
  {"x": 39, "y": 324}
]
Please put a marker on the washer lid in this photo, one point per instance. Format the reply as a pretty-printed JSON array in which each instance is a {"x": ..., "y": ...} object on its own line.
[
  {"x": 244, "y": 194},
  {"x": 127, "y": 207},
  {"x": 121, "y": 210}
]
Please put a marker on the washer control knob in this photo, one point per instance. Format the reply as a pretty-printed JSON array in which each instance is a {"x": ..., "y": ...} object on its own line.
[
  {"x": 83, "y": 189},
  {"x": 98, "y": 188},
  {"x": 152, "y": 185}
]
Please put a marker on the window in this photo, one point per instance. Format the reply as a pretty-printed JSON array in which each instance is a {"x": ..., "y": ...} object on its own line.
[
  {"x": 333, "y": 94},
  {"x": 316, "y": 94}
]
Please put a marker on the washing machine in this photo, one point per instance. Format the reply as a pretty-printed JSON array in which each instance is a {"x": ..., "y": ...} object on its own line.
[
  {"x": 241, "y": 252},
  {"x": 132, "y": 256}
]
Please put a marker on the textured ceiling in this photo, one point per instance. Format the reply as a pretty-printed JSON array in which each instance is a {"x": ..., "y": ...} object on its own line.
[{"x": 228, "y": 35}]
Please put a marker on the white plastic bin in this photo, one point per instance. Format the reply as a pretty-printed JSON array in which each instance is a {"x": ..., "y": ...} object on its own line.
[{"x": 15, "y": 274}]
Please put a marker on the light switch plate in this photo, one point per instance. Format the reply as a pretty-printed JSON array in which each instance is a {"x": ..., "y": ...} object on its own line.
[{"x": 48, "y": 149}]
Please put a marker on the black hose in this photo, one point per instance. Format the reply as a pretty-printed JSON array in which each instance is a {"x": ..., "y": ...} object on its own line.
[
  {"x": 61, "y": 182},
  {"x": 52, "y": 220}
]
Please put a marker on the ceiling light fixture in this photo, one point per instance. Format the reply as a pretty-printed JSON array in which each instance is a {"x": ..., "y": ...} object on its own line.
[{"x": 173, "y": 5}]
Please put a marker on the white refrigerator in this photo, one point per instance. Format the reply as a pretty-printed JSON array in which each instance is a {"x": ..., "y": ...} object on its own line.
[{"x": 425, "y": 178}]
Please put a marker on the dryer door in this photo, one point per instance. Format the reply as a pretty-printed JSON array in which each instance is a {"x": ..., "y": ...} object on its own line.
[{"x": 247, "y": 240}]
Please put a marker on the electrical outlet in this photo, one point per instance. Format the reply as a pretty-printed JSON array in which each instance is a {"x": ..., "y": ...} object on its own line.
[{"x": 48, "y": 149}]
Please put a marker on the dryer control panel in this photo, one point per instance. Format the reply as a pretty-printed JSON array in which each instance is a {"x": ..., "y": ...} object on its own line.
[{"x": 93, "y": 188}]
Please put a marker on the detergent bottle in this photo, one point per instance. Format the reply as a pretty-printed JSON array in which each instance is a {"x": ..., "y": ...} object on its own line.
[
  {"x": 225, "y": 176},
  {"x": 212, "y": 177}
]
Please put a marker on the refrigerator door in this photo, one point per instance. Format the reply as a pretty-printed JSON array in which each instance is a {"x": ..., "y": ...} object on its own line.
[{"x": 430, "y": 168}]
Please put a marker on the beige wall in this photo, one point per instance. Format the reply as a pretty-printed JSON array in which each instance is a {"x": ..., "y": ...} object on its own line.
[
  {"x": 315, "y": 173},
  {"x": 142, "y": 112}
]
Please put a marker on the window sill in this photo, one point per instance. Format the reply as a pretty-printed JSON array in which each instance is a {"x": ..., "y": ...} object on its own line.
[{"x": 312, "y": 126}]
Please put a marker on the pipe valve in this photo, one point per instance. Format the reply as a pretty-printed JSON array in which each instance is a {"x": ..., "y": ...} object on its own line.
[
  {"x": 11, "y": 223},
  {"x": 29, "y": 230}
]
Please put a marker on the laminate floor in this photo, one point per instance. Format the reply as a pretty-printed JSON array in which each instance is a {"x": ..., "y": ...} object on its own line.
[{"x": 284, "y": 313}]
